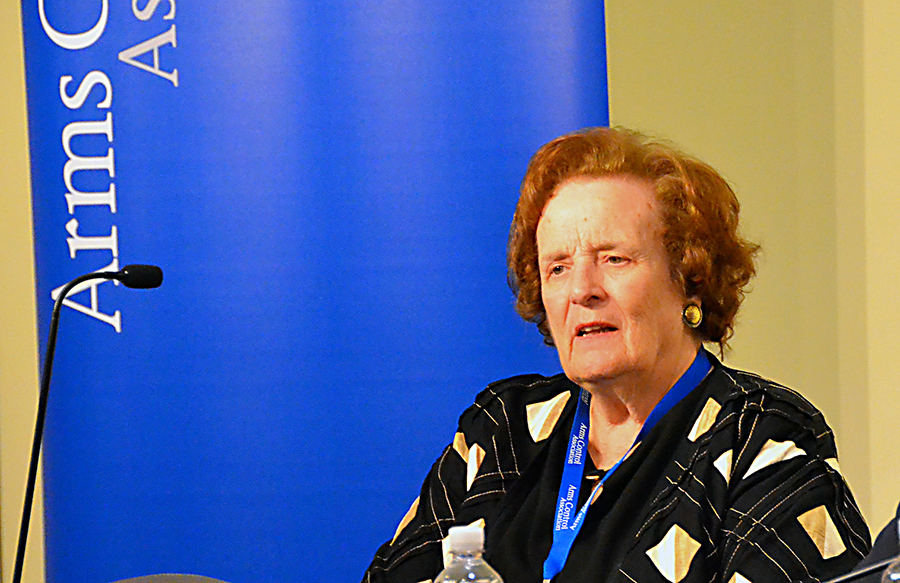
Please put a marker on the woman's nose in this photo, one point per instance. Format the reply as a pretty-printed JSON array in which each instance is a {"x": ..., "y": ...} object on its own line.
[{"x": 587, "y": 285}]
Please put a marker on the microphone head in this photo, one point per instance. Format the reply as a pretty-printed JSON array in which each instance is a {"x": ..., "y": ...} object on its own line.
[{"x": 141, "y": 276}]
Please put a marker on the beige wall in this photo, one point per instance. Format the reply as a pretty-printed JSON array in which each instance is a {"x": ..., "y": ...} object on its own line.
[
  {"x": 881, "y": 123},
  {"x": 18, "y": 342},
  {"x": 795, "y": 102}
]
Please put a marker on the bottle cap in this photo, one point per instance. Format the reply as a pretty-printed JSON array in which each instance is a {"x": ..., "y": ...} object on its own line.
[{"x": 466, "y": 539}]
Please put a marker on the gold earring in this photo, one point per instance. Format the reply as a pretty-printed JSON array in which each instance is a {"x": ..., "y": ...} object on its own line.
[{"x": 692, "y": 315}]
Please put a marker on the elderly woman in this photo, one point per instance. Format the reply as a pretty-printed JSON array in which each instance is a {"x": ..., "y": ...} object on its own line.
[{"x": 648, "y": 460}]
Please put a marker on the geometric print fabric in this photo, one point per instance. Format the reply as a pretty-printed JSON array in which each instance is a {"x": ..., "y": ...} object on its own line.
[
  {"x": 542, "y": 416},
  {"x": 821, "y": 529},
  {"x": 694, "y": 507},
  {"x": 674, "y": 553}
]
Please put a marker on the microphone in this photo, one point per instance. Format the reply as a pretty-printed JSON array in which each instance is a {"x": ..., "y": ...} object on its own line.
[
  {"x": 139, "y": 276},
  {"x": 859, "y": 573},
  {"x": 133, "y": 276}
]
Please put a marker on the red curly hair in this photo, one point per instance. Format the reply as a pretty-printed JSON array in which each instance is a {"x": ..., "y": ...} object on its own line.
[{"x": 708, "y": 259}]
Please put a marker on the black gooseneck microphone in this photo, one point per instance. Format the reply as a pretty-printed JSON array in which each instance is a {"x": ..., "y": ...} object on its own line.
[
  {"x": 863, "y": 572},
  {"x": 133, "y": 276}
]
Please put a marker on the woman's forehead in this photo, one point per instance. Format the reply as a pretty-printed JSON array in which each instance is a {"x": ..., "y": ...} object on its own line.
[{"x": 600, "y": 213}]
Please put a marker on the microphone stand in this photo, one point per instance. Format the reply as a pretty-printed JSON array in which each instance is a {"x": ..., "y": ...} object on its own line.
[
  {"x": 867, "y": 570},
  {"x": 131, "y": 276}
]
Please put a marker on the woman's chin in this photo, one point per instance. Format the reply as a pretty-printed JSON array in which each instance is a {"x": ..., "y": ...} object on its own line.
[{"x": 594, "y": 373}]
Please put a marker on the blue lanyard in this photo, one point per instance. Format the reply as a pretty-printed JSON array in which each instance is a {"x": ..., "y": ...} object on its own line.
[{"x": 566, "y": 526}]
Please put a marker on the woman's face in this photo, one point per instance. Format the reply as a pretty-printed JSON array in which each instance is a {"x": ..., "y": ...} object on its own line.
[{"x": 613, "y": 310}]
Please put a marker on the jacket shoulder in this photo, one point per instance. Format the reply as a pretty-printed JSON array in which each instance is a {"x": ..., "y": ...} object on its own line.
[
  {"x": 508, "y": 401},
  {"x": 753, "y": 392}
]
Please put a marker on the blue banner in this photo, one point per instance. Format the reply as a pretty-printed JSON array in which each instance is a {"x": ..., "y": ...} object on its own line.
[{"x": 328, "y": 188}]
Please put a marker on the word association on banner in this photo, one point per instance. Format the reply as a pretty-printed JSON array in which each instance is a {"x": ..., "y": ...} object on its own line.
[{"x": 75, "y": 197}]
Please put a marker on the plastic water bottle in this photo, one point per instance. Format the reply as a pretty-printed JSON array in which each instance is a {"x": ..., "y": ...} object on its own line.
[
  {"x": 892, "y": 573},
  {"x": 466, "y": 563}
]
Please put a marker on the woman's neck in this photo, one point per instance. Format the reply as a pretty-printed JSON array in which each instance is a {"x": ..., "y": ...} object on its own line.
[
  {"x": 620, "y": 408},
  {"x": 614, "y": 426}
]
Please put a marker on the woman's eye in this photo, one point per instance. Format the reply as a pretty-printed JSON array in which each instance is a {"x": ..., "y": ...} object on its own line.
[
  {"x": 616, "y": 260},
  {"x": 557, "y": 269}
]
